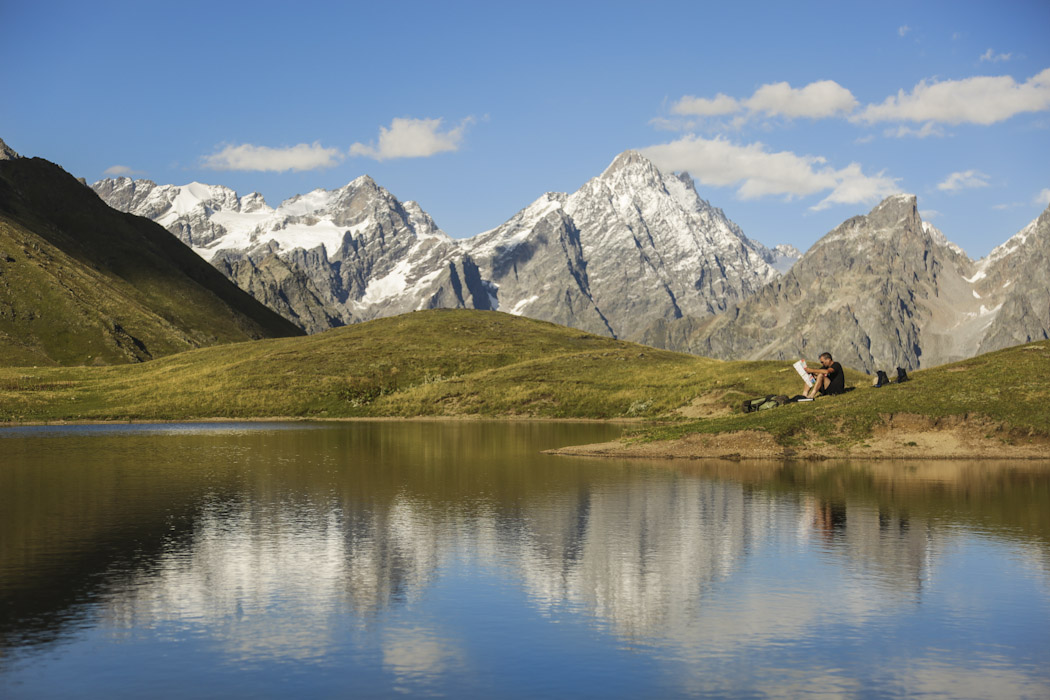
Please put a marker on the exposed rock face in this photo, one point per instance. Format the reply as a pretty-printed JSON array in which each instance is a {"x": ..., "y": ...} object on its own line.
[
  {"x": 1015, "y": 278},
  {"x": 323, "y": 259},
  {"x": 629, "y": 247},
  {"x": 882, "y": 291},
  {"x": 536, "y": 267},
  {"x": 6, "y": 152},
  {"x": 634, "y": 254}
]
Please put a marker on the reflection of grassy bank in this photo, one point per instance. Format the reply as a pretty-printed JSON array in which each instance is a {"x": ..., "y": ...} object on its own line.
[
  {"x": 470, "y": 363},
  {"x": 1009, "y": 499}
]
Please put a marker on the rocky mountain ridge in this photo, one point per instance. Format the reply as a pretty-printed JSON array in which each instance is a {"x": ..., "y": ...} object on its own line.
[
  {"x": 629, "y": 245},
  {"x": 633, "y": 254},
  {"x": 323, "y": 259},
  {"x": 6, "y": 152},
  {"x": 886, "y": 290}
]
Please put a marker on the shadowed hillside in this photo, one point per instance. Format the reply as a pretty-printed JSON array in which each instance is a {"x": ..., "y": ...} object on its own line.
[{"x": 81, "y": 283}]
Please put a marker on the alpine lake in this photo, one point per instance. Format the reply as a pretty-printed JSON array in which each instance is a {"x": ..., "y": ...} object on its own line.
[{"x": 377, "y": 559}]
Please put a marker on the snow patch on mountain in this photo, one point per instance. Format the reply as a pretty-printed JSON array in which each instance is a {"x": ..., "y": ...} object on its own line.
[{"x": 629, "y": 246}]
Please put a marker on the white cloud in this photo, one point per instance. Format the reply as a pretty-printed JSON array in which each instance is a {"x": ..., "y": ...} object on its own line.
[
  {"x": 824, "y": 98},
  {"x": 818, "y": 100},
  {"x": 263, "y": 158},
  {"x": 927, "y": 129},
  {"x": 1043, "y": 198},
  {"x": 994, "y": 57},
  {"x": 903, "y": 30},
  {"x": 413, "y": 138},
  {"x": 929, "y": 214},
  {"x": 963, "y": 180},
  {"x": 119, "y": 170},
  {"x": 757, "y": 172},
  {"x": 706, "y": 107},
  {"x": 853, "y": 186},
  {"x": 978, "y": 100}
]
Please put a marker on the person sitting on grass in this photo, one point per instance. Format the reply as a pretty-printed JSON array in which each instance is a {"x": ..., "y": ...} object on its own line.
[{"x": 829, "y": 378}]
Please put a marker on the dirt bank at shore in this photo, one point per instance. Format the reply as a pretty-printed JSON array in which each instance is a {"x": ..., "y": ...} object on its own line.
[{"x": 898, "y": 437}]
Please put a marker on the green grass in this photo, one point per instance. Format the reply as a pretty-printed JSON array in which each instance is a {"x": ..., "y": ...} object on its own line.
[
  {"x": 81, "y": 283},
  {"x": 476, "y": 363},
  {"x": 1007, "y": 388}
]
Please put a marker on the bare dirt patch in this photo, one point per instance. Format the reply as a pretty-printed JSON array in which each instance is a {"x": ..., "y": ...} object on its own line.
[{"x": 707, "y": 406}]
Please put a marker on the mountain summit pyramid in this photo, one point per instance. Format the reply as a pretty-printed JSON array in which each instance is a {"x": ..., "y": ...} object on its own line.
[{"x": 629, "y": 247}]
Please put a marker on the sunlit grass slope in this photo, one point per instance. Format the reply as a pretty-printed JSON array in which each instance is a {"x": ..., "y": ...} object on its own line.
[
  {"x": 1007, "y": 391},
  {"x": 428, "y": 363},
  {"x": 476, "y": 363}
]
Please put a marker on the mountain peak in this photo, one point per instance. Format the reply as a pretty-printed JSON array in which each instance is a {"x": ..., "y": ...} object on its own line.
[
  {"x": 6, "y": 152},
  {"x": 362, "y": 181},
  {"x": 895, "y": 210},
  {"x": 628, "y": 160},
  {"x": 901, "y": 202}
]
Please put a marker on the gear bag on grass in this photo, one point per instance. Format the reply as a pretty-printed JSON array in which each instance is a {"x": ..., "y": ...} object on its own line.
[{"x": 764, "y": 403}]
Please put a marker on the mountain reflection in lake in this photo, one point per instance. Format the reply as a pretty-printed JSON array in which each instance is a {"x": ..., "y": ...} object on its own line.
[{"x": 455, "y": 559}]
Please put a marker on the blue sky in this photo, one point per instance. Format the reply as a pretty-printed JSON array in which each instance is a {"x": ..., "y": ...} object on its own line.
[{"x": 792, "y": 116}]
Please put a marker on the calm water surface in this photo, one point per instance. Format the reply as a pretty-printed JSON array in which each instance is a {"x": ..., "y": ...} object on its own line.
[{"x": 376, "y": 559}]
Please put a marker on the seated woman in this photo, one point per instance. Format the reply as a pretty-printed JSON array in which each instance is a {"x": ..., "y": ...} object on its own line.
[{"x": 829, "y": 378}]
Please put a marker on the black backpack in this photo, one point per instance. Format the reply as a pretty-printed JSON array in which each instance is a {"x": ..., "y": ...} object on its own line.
[
  {"x": 880, "y": 379},
  {"x": 902, "y": 376}
]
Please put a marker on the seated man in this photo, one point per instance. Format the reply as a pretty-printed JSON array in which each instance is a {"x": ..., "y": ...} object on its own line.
[{"x": 829, "y": 378}]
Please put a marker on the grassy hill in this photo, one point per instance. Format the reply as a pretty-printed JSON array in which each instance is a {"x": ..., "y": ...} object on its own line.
[
  {"x": 81, "y": 283},
  {"x": 1004, "y": 392},
  {"x": 477, "y": 363}
]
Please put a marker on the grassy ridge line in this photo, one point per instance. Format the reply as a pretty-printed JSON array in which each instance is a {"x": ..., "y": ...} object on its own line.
[
  {"x": 432, "y": 363},
  {"x": 459, "y": 363},
  {"x": 428, "y": 363}
]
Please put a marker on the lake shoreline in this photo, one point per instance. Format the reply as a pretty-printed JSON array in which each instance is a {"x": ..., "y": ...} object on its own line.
[
  {"x": 315, "y": 419},
  {"x": 902, "y": 437}
]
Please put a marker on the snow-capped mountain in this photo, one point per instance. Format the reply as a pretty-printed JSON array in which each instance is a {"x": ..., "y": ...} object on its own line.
[
  {"x": 888, "y": 290},
  {"x": 322, "y": 259},
  {"x": 1013, "y": 282},
  {"x": 630, "y": 246},
  {"x": 634, "y": 253}
]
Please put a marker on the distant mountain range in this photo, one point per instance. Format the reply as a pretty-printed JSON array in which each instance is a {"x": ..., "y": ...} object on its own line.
[
  {"x": 635, "y": 254},
  {"x": 81, "y": 283},
  {"x": 630, "y": 247}
]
